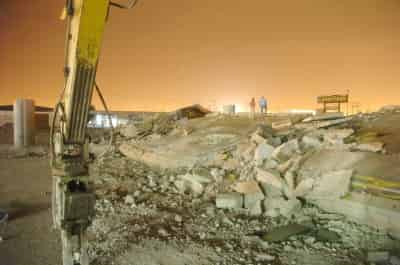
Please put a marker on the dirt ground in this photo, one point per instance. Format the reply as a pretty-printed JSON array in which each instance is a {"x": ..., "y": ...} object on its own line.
[{"x": 25, "y": 189}]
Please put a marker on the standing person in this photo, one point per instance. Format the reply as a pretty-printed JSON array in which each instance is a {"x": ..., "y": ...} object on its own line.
[
  {"x": 262, "y": 102},
  {"x": 252, "y": 107}
]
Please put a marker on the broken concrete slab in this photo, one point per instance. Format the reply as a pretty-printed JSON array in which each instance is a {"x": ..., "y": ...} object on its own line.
[
  {"x": 336, "y": 136},
  {"x": 247, "y": 187},
  {"x": 321, "y": 124},
  {"x": 262, "y": 152},
  {"x": 333, "y": 185},
  {"x": 255, "y": 207},
  {"x": 394, "y": 260},
  {"x": 290, "y": 178},
  {"x": 326, "y": 235},
  {"x": 193, "y": 183},
  {"x": 325, "y": 160},
  {"x": 270, "y": 164},
  {"x": 378, "y": 256},
  {"x": 324, "y": 116},
  {"x": 366, "y": 209},
  {"x": 258, "y": 139},
  {"x": 283, "y": 124},
  {"x": 284, "y": 232},
  {"x": 275, "y": 207},
  {"x": 129, "y": 131},
  {"x": 271, "y": 191},
  {"x": 375, "y": 147},
  {"x": 270, "y": 177},
  {"x": 274, "y": 141},
  {"x": 229, "y": 201},
  {"x": 251, "y": 199},
  {"x": 285, "y": 151},
  {"x": 252, "y": 193},
  {"x": 230, "y": 164},
  {"x": 304, "y": 187},
  {"x": 311, "y": 142}
]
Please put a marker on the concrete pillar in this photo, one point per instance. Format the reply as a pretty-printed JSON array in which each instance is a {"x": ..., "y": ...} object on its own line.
[{"x": 24, "y": 125}]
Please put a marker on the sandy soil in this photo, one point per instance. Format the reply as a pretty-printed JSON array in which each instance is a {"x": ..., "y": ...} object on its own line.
[{"x": 25, "y": 189}]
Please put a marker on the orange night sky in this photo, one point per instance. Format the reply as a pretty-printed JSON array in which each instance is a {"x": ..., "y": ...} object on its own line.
[{"x": 167, "y": 53}]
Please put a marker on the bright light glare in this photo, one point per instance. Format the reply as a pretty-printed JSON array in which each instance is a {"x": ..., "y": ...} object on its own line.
[
  {"x": 302, "y": 111},
  {"x": 240, "y": 108}
]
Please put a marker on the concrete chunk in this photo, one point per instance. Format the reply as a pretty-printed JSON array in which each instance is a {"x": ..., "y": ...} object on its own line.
[
  {"x": 279, "y": 206},
  {"x": 229, "y": 201},
  {"x": 311, "y": 142},
  {"x": 268, "y": 177},
  {"x": 129, "y": 131},
  {"x": 262, "y": 152},
  {"x": 256, "y": 208},
  {"x": 278, "y": 125},
  {"x": 285, "y": 151},
  {"x": 247, "y": 187},
  {"x": 258, "y": 139},
  {"x": 371, "y": 147},
  {"x": 394, "y": 260},
  {"x": 336, "y": 136},
  {"x": 284, "y": 232},
  {"x": 378, "y": 256},
  {"x": 252, "y": 193},
  {"x": 304, "y": 187},
  {"x": 331, "y": 185},
  {"x": 324, "y": 116}
]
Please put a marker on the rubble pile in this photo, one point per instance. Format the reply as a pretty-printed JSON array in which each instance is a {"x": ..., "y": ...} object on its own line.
[{"x": 251, "y": 203}]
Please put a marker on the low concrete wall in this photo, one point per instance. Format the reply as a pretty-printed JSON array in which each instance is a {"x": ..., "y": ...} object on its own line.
[
  {"x": 41, "y": 125},
  {"x": 381, "y": 213},
  {"x": 6, "y": 117}
]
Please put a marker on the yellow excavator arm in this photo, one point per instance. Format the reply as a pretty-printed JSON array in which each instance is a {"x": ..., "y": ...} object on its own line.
[{"x": 73, "y": 197}]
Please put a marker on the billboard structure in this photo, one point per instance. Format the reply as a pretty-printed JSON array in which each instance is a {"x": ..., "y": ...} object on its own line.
[{"x": 332, "y": 103}]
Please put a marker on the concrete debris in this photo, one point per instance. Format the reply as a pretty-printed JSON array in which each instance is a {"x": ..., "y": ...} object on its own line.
[
  {"x": 247, "y": 187},
  {"x": 311, "y": 142},
  {"x": 394, "y": 260},
  {"x": 324, "y": 116},
  {"x": 331, "y": 185},
  {"x": 336, "y": 136},
  {"x": 304, "y": 187},
  {"x": 245, "y": 192},
  {"x": 193, "y": 183},
  {"x": 129, "y": 200},
  {"x": 284, "y": 232},
  {"x": 258, "y": 139},
  {"x": 229, "y": 201},
  {"x": 129, "y": 131},
  {"x": 378, "y": 256},
  {"x": 271, "y": 178},
  {"x": 375, "y": 147},
  {"x": 327, "y": 235},
  {"x": 275, "y": 207},
  {"x": 285, "y": 151},
  {"x": 265, "y": 257},
  {"x": 230, "y": 164},
  {"x": 254, "y": 207},
  {"x": 278, "y": 125},
  {"x": 390, "y": 108},
  {"x": 262, "y": 152}
]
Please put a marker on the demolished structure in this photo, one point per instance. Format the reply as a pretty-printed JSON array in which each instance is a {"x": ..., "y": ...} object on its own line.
[{"x": 231, "y": 190}]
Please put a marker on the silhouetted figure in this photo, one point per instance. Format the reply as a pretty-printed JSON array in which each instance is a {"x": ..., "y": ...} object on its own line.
[
  {"x": 262, "y": 102},
  {"x": 252, "y": 105}
]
